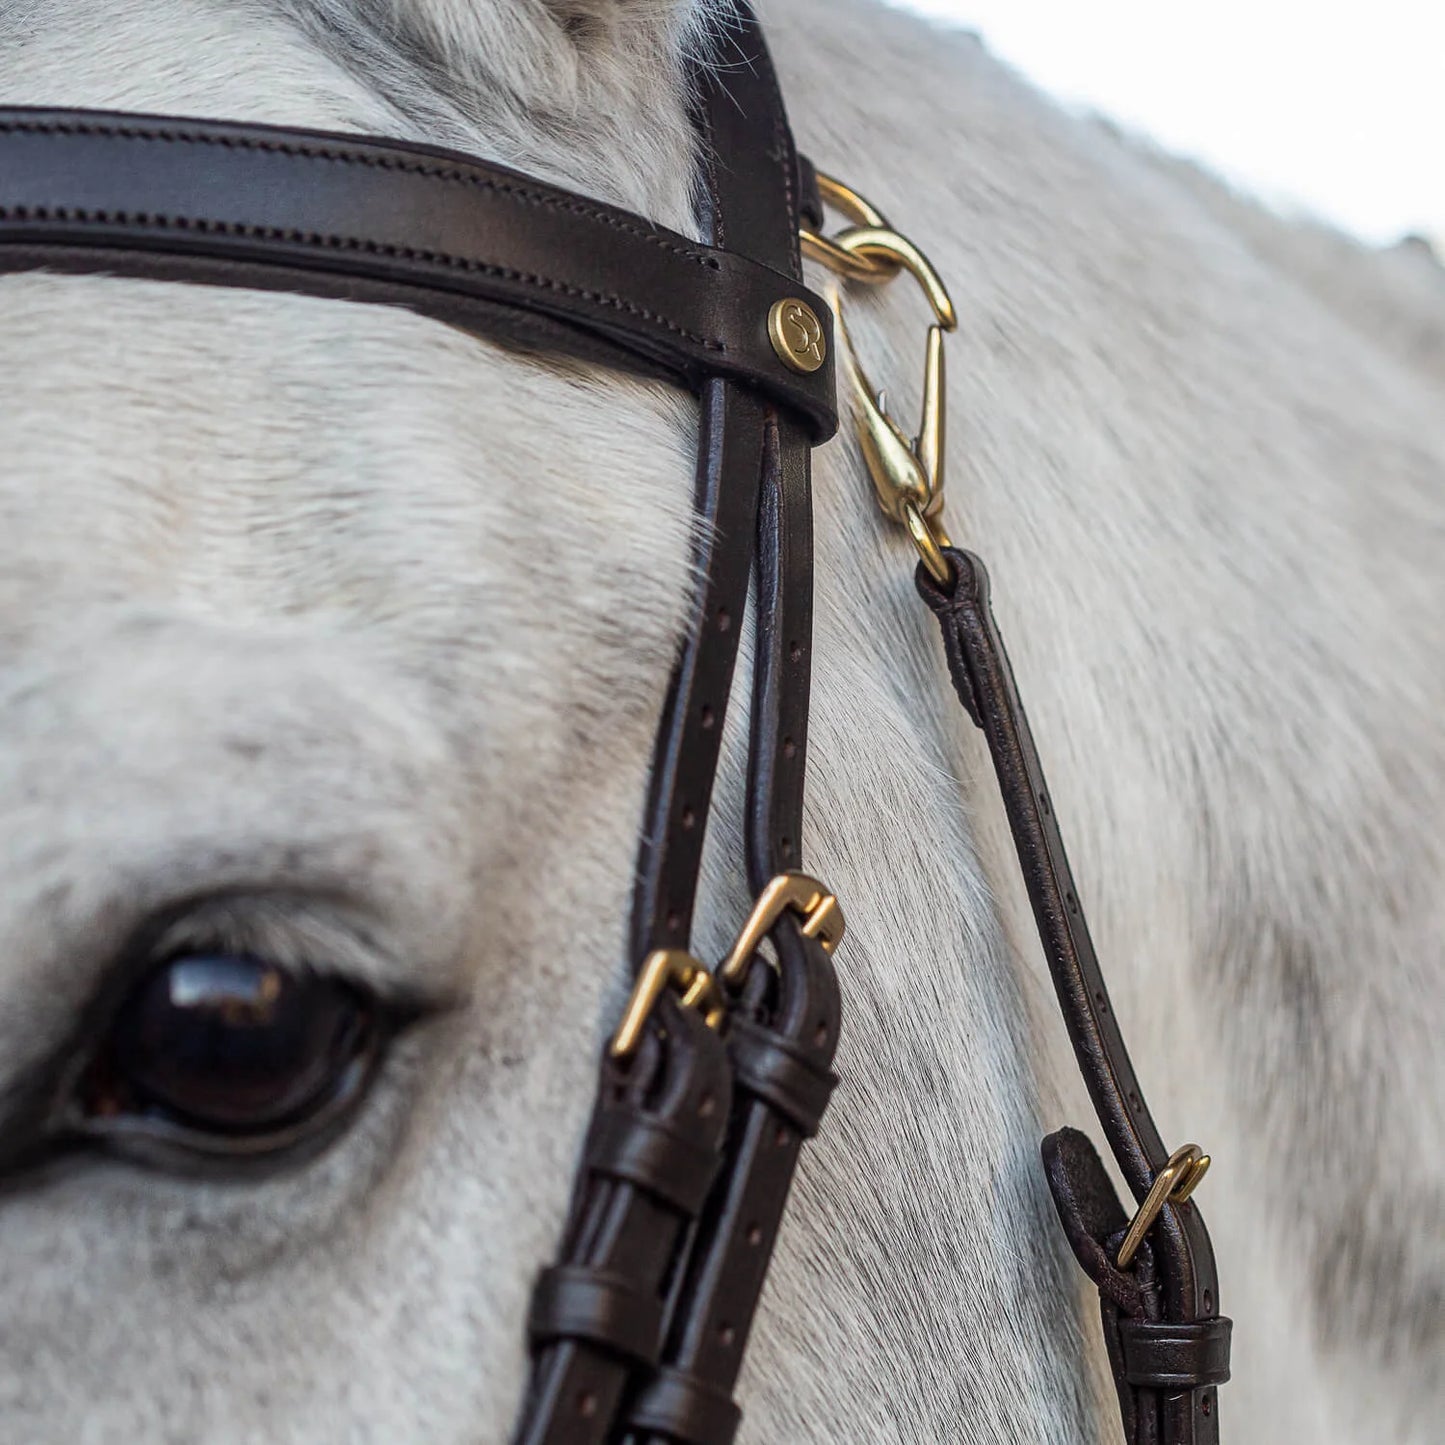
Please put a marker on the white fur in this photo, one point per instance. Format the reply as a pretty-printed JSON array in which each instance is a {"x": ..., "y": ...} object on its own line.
[{"x": 368, "y": 624}]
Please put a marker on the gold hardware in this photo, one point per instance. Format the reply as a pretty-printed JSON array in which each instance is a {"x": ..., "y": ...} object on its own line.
[
  {"x": 797, "y": 335},
  {"x": 907, "y": 472},
  {"x": 1174, "y": 1183},
  {"x": 675, "y": 968},
  {"x": 665, "y": 967},
  {"x": 929, "y": 539},
  {"x": 822, "y": 919},
  {"x": 819, "y": 248}
]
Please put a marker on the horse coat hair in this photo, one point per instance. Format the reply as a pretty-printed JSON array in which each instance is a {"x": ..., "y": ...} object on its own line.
[{"x": 283, "y": 660}]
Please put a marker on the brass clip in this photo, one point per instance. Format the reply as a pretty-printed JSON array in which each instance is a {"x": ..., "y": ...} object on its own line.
[
  {"x": 1174, "y": 1183},
  {"x": 907, "y": 472},
  {"x": 666, "y": 967},
  {"x": 822, "y": 919}
]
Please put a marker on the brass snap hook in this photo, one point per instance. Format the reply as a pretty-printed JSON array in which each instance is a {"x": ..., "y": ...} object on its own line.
[{"x": 907, "y": 472}]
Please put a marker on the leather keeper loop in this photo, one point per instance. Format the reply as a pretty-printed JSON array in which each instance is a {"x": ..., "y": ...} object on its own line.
[
  {"x": 627, "y": 1145},
  {"x": 571, "y": 1302},
  {"x": 685, "y": 1409},
  {"x": 766, "y": 1065},
  {"x": 1175, "y": 1357}
]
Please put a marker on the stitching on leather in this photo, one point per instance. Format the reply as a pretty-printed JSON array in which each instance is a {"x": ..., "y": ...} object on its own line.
[
  {"x": 350, "y": 243},
  {"x": 354, "y": 158},
  {"x": 783, "y": 146}
]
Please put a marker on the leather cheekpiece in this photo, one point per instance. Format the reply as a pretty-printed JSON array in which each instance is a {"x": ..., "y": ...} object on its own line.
[{"x": 1172, "y": 1279}]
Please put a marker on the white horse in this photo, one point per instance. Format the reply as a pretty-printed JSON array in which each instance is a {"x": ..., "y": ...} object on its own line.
[{"x": 338, "y": 636}]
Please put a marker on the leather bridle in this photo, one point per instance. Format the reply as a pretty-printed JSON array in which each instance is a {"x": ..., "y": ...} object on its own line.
[{"x": 715, "y": 1077}]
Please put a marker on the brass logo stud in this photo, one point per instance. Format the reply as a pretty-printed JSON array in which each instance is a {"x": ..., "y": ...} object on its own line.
[{"x": 797, "y": 335}]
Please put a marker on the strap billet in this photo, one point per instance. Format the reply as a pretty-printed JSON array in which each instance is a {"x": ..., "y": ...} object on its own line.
[{"x": 1166, "y": 1290}]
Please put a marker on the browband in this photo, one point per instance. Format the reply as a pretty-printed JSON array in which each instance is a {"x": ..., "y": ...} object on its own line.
[{"x": 480, "y": 246}]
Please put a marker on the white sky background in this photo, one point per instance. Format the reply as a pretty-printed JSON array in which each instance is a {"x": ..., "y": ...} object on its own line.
[{"x": 1331, "y": 106}]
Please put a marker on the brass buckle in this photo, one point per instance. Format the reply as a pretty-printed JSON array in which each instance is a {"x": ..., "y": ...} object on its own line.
[
  {"x": 822, "y": 919},
  {"x": 662, "y": 969},
  {"x": 1174, "y": 1183},
  {"x": 700, "y": 989},
  {"x": 907, "y": 472}
]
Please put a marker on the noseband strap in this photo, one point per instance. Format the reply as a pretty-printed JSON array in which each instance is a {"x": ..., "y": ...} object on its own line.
[{"x": 637, "y": 1332}]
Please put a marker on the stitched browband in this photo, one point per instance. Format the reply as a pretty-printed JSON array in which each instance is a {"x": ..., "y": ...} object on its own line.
[
  {"x": 478, "y": 245},
  {"x": 638, "y": 1331}
]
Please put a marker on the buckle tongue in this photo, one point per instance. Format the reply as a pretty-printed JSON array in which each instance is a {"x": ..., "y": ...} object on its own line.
[{"x": 1174, "y": 1183}]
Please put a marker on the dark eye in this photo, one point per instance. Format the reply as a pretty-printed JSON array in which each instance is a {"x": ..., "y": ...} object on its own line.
[{"x": 231, "y": 1054}]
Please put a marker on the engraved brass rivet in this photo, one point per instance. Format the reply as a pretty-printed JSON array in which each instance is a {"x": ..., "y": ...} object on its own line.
[{"x": 797, "y": 335}]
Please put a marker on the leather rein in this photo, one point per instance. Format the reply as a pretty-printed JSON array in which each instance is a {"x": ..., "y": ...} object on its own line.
[{"x": 715, "y": 1076}]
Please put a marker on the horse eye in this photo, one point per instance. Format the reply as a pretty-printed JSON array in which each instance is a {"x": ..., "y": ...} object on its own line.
[{"x": 231, "y": 1054}]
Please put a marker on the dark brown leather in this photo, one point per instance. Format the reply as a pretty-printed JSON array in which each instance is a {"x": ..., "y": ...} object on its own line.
[
  {"x": 473, "y": 244},
  {"x": 653, "y": 1149},
  {"x": 810, "y": 197},
  {"x": 1175, "y": 1357},
  {"x": 783, "y": 1032},
  {"x": 684, "y": 764},
  {"x": 1174, "y": 1282}
]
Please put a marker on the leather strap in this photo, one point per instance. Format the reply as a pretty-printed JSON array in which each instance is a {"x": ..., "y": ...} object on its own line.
[
  {"x": 1173, "y": 1284},
  {"x": 653, "y": 1149},
  {"x": 473, "y": 244},
  {"x": 732, "y": 426},
  {"x": 784, "y": 1032}
]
